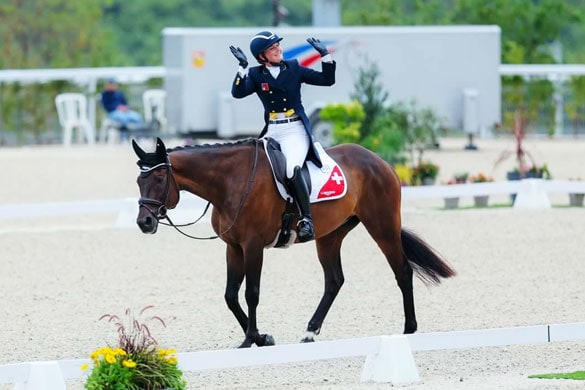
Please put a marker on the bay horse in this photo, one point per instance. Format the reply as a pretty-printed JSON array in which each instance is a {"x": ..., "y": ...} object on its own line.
[{"x": 236, "y": 179}]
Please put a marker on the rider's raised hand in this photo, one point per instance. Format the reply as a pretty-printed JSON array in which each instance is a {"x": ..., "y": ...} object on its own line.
[
  {"x": 240, "y": 56},
  {"x": 320, "y": 47}
]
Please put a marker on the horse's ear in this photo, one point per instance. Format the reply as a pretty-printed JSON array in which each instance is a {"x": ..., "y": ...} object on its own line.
[
  {"x": 161, "y": 149},
  {"x": 139, "y": 152}
]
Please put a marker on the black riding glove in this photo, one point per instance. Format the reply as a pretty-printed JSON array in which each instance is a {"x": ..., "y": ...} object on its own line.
[
  {"x": 240, "y": 56},
  {"x": 321, "y": 48}
]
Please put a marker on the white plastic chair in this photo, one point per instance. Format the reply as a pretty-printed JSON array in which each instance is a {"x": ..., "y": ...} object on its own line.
[
  {"x": 72, "y": 112},
  {"x": 154, "y": 108},
  {"x": 109, "y": 131}
]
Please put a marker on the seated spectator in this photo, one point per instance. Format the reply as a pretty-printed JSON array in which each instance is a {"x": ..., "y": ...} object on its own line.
[{"x": 116, "y": 106}]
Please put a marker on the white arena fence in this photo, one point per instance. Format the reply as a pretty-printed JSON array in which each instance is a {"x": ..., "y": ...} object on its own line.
[
  {"x": 389, "y": 359},
  {"x": 530, "y": 194}
]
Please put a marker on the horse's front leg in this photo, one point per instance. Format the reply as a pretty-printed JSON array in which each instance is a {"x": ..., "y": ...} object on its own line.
[
  {"x": 253, "y": 259},
  {"x": 250, "y": 267},
  {"x": 235, "y": 276}
]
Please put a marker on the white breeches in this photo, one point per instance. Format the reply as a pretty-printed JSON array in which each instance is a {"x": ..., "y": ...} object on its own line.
[{"x": 294, "y": 143}]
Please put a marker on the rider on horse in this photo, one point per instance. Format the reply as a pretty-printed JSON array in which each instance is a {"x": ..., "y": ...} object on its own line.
[{"x": 277, "y": 83}]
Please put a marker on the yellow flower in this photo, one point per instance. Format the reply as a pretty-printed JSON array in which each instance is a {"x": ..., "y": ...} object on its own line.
[
  {"x": 84, "y": 366},
  {"x": 129, "y": 363},
  {"x": 110, "y": 358},
  {"x": 172, "y": 360},
  {"x": 404, "y": 173},
  {"x": 166, "y": 352}
]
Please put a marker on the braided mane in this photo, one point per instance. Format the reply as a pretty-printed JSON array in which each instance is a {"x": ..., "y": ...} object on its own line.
[{"x": 242, "y": 142}]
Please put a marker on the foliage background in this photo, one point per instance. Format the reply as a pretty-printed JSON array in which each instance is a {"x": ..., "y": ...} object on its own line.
[
  {"x": 92, "y": 33},
  {"x": 69, "y": 33}
]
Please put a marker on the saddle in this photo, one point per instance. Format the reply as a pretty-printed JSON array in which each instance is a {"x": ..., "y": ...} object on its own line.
[{"x": 325, "y": 183}]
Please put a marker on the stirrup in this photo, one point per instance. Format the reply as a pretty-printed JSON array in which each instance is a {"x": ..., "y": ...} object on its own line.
[{"x": 305, "y": 229}]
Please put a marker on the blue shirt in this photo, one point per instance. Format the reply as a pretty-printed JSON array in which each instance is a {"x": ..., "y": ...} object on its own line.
[{"x": 112, "y": 99}]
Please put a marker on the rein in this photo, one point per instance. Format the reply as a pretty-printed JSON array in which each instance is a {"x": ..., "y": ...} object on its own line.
[{"x": 162, "y": 211}]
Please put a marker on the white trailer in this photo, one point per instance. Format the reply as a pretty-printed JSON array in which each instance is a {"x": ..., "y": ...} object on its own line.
[{"x": 449, "y": 68}]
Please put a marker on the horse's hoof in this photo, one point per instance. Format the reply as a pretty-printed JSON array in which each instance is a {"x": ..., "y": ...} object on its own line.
[
  {"x": 309, "y": 336},
  {"x": 266, "y": 340},
  {"x": 410, "y": 328}
]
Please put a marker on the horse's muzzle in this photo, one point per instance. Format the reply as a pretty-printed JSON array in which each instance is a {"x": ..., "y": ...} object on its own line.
[{"x": 148, "y": 224}]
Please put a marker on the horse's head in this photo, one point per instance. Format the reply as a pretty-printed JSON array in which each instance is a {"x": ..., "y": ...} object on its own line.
[{"x": 158, "y": 188}]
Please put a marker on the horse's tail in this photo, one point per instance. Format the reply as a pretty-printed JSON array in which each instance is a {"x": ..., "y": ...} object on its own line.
[{"x": 428, "y": 264}]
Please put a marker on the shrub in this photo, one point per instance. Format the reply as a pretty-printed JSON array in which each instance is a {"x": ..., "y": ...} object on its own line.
[{"x": 136, "y": 363}]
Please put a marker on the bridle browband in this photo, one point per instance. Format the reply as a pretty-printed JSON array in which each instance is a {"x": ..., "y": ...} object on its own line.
[{"x": 162, "y": 209}]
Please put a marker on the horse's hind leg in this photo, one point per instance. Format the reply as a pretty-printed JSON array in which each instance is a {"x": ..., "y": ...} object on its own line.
[
  {"x": 387, "y": 236},
  {"x": 403, "y": 273},
  {"x": 328, "y": 250}
]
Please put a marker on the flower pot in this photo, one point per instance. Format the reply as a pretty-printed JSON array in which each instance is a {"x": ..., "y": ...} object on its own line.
[
  {"x": 481, "y": 201},
  {"x": 576, "y": 200},
  {"x": 513, "y": 175},
  {"x": 534, "y": 175},
  {"x": 451, "y": 203},
  {"x": 428, "y": 181}
]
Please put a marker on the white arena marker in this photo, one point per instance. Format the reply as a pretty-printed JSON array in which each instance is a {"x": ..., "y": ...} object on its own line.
[
  {"x": 392, "y": 363},
  {"x": 531, "y": 195},
  {"x": 127, "y": 215},
  {"x": 43, "y": 376}
]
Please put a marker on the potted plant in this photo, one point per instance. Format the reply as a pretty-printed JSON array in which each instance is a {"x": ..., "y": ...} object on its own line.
[
  {"x": 480, "y": 200},
  {"x": 538, "y": 172},
  {"x": 461, "y": 178},
  {"x": 425, "y": 173},
  {"x": 136, "y": 362},
  {"x": 452, "y": 202}
]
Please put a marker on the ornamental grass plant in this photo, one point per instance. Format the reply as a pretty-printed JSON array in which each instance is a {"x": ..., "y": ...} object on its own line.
[{"x": 137, "y": 362}]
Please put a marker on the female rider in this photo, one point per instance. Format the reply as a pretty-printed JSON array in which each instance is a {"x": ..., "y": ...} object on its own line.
[{"x": 277, "y": 83}]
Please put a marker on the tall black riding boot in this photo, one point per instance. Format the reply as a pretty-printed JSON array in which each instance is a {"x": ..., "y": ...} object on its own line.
[{"x": 301, "y": 194}]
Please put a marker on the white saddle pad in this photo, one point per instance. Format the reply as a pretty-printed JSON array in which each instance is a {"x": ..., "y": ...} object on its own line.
[{"x": 327, "y": 183}]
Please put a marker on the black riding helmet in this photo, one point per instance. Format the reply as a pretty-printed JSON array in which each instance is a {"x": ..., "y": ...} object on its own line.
[{"x": 262, "y": 41}]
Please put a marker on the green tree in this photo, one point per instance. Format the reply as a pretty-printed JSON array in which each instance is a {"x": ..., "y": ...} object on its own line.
[
  {"x": 47, "y": 34},
  {"x": 54, "y": 33},
  {"x": 139, "y": 24},
  {"x": 576, "y": 106},
  {"x": 530, "y": 24},
  {"x": 371, "y": 94}
]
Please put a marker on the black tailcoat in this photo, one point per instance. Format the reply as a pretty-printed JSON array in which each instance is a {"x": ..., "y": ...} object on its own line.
[{"x": 284, "y": 93}]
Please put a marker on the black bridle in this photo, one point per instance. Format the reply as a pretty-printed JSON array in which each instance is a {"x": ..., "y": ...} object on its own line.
[{"x": 161, "y": 212}]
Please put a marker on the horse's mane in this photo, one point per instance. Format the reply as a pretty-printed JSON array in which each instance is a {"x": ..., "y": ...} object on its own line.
[{"x": 242, "y": 142}]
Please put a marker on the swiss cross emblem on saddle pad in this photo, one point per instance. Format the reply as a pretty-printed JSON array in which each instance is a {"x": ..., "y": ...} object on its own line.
[{"x": 327, "y": 183}]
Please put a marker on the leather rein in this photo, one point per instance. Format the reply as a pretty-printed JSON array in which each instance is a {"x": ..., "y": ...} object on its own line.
[{"x": 160, "y": 210}]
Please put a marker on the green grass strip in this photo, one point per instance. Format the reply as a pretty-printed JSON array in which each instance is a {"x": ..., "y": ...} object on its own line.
[{"x": 577, "y": 375}]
